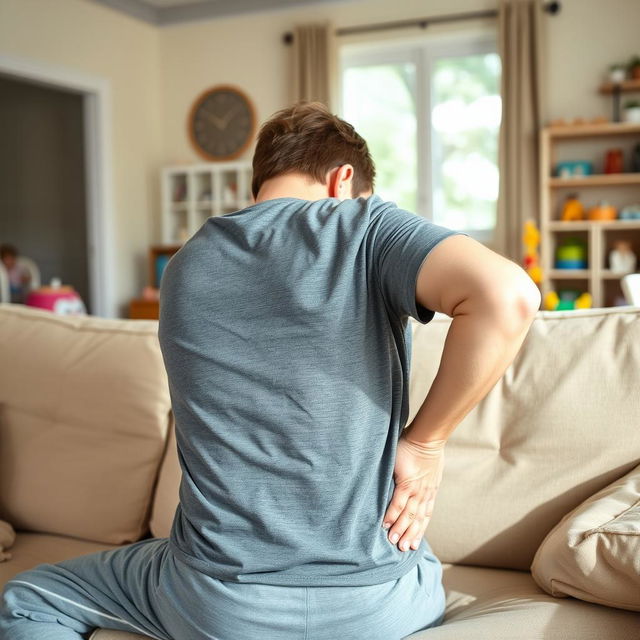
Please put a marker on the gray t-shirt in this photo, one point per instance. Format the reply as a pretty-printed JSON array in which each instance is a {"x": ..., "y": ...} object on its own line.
[{"x": 284, "y": 331}]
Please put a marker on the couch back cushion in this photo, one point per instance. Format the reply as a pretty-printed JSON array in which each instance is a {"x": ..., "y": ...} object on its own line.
[
  {"x": 561, "y": 424},
  {"x": 166, "y": 496},
  {"x": 84, "y": 414}
]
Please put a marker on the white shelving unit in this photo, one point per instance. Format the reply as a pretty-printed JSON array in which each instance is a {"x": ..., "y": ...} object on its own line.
[
  {"x": 588, "y": 142},
  {"x": 192, "y": 193}
]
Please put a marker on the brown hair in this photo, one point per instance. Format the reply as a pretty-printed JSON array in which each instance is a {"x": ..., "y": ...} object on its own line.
[
  {"x": 306, "y": 137},
  {"x": 8, "y": 249}
]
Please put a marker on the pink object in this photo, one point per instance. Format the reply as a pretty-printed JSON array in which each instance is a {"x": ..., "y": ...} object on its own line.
[{"x": 60, "y": 299}]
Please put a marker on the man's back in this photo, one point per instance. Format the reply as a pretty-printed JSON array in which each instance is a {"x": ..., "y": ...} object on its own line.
[{"x": 284, "y": 332}]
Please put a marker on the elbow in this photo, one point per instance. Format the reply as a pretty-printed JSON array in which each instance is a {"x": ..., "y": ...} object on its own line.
[
  {"x": 506, "y": 297},
  {"x": 517, "y": 302},
  {"x": 526, "y": 294}
]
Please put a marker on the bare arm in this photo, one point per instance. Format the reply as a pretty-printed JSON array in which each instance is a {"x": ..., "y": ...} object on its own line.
[{"x": 492, "y": 301}]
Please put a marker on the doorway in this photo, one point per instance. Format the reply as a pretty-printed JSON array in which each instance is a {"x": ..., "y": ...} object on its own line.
[
  {"x": 96, "y": 258},
  {"x": 42, "y": 180}
]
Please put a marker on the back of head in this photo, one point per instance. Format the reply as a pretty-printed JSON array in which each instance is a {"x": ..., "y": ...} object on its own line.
[
  {"x": 307, "y": 138},
  {"x": 8, "y": 250}
]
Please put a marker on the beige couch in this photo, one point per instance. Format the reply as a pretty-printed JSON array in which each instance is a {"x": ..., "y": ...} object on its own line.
[{"x": 537, "y": 520}]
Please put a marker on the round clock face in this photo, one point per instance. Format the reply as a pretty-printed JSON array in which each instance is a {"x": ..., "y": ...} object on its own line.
[{"x": 221, "y": 123}]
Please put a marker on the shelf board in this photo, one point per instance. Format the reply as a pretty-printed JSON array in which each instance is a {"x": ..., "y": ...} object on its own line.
[
  {"x": 625, "y": 86},
  {"x": 584, "y": 225},
  {"x": 619, "y": 224},
  {"x": 570, "y": 225},
  {"x": 597, "y": 180},
  {"x": 567, "y": 274},
  {"x": 604, "y": 129},
  {"x": 607, "y": 274}
]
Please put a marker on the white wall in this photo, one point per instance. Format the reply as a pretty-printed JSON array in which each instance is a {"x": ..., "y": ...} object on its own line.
[
  {"x": 583, "y": 40},
  {"x": 84, "y": 36},
  {"x": 248, "y": 51}
]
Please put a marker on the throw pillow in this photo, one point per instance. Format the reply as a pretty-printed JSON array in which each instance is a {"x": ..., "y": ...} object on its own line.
[{"x": 593, "y": 553}]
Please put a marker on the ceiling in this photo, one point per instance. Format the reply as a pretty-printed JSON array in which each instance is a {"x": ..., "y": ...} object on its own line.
[
  {"x": 171, "y": 3},
  {"x": 163, "y": 12}
]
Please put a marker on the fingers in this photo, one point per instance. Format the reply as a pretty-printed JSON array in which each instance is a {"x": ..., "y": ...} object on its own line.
[
  {"x": 409, "y": 516},
  {"x": 398, "y": 502}
]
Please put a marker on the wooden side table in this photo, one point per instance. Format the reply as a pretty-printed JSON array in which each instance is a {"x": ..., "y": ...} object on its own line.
[{"x": 140, "y": 309}]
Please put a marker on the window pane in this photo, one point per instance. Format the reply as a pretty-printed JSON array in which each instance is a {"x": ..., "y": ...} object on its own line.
[
  {"x": 380, "y": 102},
  {"x": 465, "y": 119}
]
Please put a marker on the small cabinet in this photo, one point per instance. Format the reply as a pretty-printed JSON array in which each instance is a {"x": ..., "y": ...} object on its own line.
[{"x": 193, "y": 193}]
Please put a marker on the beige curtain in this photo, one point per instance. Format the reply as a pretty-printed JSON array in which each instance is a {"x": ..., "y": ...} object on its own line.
[
  {"x": 315, "y": 63},
  {"x": 521, "y": 49}
]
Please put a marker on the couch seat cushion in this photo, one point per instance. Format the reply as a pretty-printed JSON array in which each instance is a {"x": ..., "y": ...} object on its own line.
[
  {"x": 31, "y": 549},
  {"x": 502, "y": 604}
]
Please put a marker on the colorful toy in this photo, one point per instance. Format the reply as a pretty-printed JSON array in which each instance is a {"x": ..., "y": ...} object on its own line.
[
  {"x": 573, "y": 208},
  {"x": 604, "y": 211},
  {"x": 630, "y": 212},
  {"x": 571, "y": 254},
  {"x": 567, "y": 299},
  {"x": 531, "y": 239},
  {"x": 614, "y": 161},
  {"x": 58, "y": 298},
  {"x": 622, "y": 259},
  {"x": 575, "y": 169}
]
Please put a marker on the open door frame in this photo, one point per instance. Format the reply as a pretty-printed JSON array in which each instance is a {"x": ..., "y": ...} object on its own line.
[{"x": 96, "y": 93}]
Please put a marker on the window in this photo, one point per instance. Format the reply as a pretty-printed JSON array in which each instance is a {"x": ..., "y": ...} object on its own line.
[{"x": 430, "y": 113}]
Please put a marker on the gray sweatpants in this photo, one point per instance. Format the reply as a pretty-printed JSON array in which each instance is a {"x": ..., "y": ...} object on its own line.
[{"x": 142, "y": 587}]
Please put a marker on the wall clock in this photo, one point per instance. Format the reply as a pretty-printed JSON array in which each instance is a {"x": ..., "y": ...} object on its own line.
[{"x": 221, "y": 123}]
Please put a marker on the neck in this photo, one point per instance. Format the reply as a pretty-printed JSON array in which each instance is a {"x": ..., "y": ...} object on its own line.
[{"x": 292, "y": 185}]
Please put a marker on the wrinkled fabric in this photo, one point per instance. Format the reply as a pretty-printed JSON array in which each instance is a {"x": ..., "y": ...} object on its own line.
[{"x": 284, "y": 332}]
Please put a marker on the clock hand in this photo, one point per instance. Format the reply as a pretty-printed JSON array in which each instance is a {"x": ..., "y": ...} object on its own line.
[
  {"x": 229, "y": 115},
  {"x": 220, "y": 123}
]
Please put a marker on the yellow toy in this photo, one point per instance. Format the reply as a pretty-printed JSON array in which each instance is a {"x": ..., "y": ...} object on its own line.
[
  {"x": 573, "y": 208},
  {"x": 584, "y": 301},
  {"x": 531, "y": 239},
  {"x": 551, "y": 301},
  {"x": 570, "y": 300}
]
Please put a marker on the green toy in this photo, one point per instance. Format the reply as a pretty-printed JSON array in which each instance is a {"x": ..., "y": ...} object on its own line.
[
  {"x": 567, "y": 299},
  {"x": 571, "y": 254}
]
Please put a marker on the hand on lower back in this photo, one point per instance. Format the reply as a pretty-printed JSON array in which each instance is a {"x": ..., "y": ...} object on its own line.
[{"x": 417, "y": 475}]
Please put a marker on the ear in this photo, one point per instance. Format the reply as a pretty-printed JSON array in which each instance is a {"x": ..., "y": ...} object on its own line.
[{"x": 340, "y": 181}]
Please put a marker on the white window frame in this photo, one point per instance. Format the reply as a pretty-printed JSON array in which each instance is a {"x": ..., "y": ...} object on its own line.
[{"x": 423, "y": 52}]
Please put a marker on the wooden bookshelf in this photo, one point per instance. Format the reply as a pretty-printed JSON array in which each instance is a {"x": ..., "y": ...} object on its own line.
[
  {"x": 626, "y": 86},
  {"x": 598, "y": 235},
  {"x": 603, "y": 129},
  {"x": 603, "y": 180}
]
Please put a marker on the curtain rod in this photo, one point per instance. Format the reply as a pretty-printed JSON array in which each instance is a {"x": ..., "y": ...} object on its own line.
[{"x": 549, "y": 7}]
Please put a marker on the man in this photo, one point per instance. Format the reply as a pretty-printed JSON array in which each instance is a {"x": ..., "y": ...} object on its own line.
[{"x": 284, "y": 331}]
